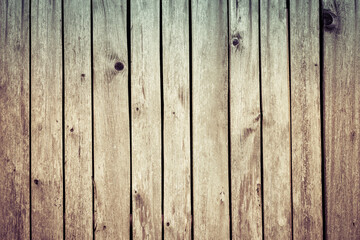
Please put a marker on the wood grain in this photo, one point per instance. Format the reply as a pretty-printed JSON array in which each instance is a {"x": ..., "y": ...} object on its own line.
[
  {"x": 276, "y": 119},
  {"x": 210, "y": 119},
  {"x": 305, "y": 119},
  {"x": 14, "y": 120},
  {"x": 245, "y": 120},
  {"x": 146, "y": 119},
  {"x": 46, "y": 121},
  {"x": 342, "y": 121},
  {"x": 78, "y": 136},
  {"x": 111, "y": 121},
  {"x": 176, "y": 87}
]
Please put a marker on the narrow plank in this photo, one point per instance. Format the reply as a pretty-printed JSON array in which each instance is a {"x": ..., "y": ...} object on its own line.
[
  {"x": 146, "y": 119},
  {"x": 111, "y": 120},
  {"x": 210, "y": 119},
  {"x": 176, "y": 85},
  {"x": 46, "y": 121},
  {"x": 245, "y": 120},
  {"x": 14, "y": 120},
  {"x": 78, "y": 150},
  {"x": 276, "y": 119},
  {"x": 342, "y": 121},
  {"x": 305, "y": 119}
]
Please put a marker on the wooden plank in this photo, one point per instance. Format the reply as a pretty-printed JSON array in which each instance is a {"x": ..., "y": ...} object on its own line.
[
  {"x": 111, "y": 120},
  {"x": 342, "y": 120},
  {"x": 176, "y": 85},
  {"x": 305, "y": 119},
  {"x": 210, "y": 119},
  {"x": 46, "y": 121},
  {"x": 146, "y": 119},
  {"x": 14, "y": 120},
  {"x": 245, "y": 120},
  {"x": 276, "y": 119},
  {"x": 78, "y": 149}
]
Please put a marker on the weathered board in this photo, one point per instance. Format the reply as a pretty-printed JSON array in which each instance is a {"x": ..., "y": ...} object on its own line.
[
  {"x": 210, "y": 119},
  {"x": 176, "y": 92},
  {"x": 78, "y": 120},
  {"x": 111, "y": 120},
  {"x": 341, "y": 119},
  {"x": 46, "y": 121},
  {"x": 14, "y": 120},
  {"x": 276, "y": 119},
  {"x": 245, "y": 121},
  {"x": 305, "y": 119},
  {"x": 146, "y": 119}
]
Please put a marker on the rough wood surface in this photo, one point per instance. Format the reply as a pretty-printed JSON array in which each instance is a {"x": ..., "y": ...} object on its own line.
[
  {"x": 305, "y": 119},
  {"x": 176, "y": 82},
  {"x": 111, "y": 121},
  {"x": 245, "y": 120},
  {"x": 46, "y": 121},
  {"x": 146, "y": 119},
  {"x": 276, "y": 119},
  {"x": 210, "y": 119},
  {"x": 78, "y": 150},
  {"x": 14, "y": 120},
  {"x": 342, "y": 121}
]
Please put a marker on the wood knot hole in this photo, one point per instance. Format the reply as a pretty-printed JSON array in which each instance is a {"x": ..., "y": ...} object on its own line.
[
  {"x": 36, "y": 181},
  {"x": 329, "y": 20},
  {"x": 119, "y": 66},
  {"x": 235, "y": 41}
]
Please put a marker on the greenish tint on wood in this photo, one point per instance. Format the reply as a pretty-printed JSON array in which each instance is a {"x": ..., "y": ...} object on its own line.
[
  {"x": 342, "y": 120},
  {"x": 46, "y": 121}
]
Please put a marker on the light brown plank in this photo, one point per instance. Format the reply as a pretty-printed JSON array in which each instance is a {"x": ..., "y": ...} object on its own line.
[
  {"x": 14, "y": 120},
  {"x": 305, "y": 119},
  {"x": 176, "y": 70},
  {"x": 111, "y": 121},
  {"x": 276, "y": 119},
  {"x": 245, "y": 120},
  {"x": 210, "y": 119},
  {"x": 146, "y": 119},
  {"x": 342, "y": 121},
  {"x": 78, "y": 152},
  {"x": 46, "y": 121}
]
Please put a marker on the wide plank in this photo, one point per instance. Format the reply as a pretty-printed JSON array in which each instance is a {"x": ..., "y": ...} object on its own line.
[
  {"x": 146, "y": 119},
  {"x": 276, "y": 119},
  {"x": 342, "y": 119},
  {"x": 78, "y": 121},
  {"x": 14, "y": 120},
  {"x": 245, "y": 120},
  {"x": 46, "y": 121},
  {"x": 210, "y": 119}
]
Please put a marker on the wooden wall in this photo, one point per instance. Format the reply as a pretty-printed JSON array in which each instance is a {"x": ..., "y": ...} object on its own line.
[{"x": 186, "y": 119}]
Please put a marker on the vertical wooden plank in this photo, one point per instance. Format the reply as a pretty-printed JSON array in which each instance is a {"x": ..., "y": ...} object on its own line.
[
  {"x": 276, "y": 119},
  {"x": 176, "y": 70},
  {"x": 14, "y": 120},
  {"x": 305, "y": 119},
  {"x": 245, "y": 120},
  {"x": 342, "y": 120},
  {"x": 146, "y": 119},
  {"x": 210, "y": 119},
  {"x": 111, "y": 120},
  {"x": 78, "y": 150},
  {"x": 46, "y": 120}
]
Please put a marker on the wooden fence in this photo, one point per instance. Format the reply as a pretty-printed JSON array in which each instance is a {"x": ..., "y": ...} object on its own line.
[{"x": 179, "y": 119}]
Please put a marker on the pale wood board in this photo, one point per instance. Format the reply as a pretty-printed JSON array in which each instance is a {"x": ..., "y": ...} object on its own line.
[
  {"x": 46, "y": 121},
  {"x": 342, "y": 121},
  {"x": 78, "y": 136},
  {"x": 14, "y": 120},
  {"x": 146, "y": 119},
  {"x": 176, "y": 88},
  {"x": 276, "y": 119},
  {"x": 245, "y": 122},
  {"x": 305, "y": 119},
  {"x": 210, "y": 119},
  {"x": 111, "y": 121}
]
